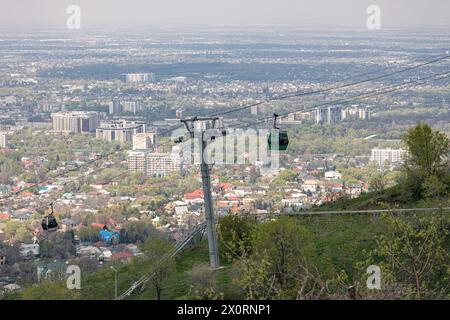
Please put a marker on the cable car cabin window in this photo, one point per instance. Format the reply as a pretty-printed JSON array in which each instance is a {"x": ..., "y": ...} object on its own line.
[{"x": 283, "y": 141}]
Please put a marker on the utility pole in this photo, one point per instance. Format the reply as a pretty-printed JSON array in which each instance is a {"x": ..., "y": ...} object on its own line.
[{"x": 206, "y": 182}]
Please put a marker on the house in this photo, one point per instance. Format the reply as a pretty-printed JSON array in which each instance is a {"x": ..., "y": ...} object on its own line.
[
  {"x": 134, "y": 249},
  {"x": 97, "y": 225},
  {"x": 5, "y": 216},
  {"x": 195, "y": 196},
  {"x": 68, "y": 224},
  {"x": 29, "y": 250},
  {"x": 11, "y": 287},
  {"x": 292, "y": 202},
  {"x": 180, "y": 210},
  {"x": 51, "y": 271},
  {"x": 354, "y": 190},
  {"x": 337, "y": 186},
  {"x": 105, "y": 254},
  {"x": 225, "y": 186},
  {"x": 21, "y": 216},
  {"x": 122, "y": 256},
  {"x": 88, "y": 251},
  {"x": 310, "y": 184},
  {"x": 333, "y": 175}
]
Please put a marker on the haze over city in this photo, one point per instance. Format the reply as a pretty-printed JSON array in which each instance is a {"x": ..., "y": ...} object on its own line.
[{"x": 31, "y": 14}]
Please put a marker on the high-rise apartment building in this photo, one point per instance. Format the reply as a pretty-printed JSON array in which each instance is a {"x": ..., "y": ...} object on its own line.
[
  {"x": 75, "y": 121},
  {"x": 3, "y": 140},
  {"x": 115, "y": 107},
  {"x": 145, "y": 140},
  {"x": 153, "y": 164},
  {"x": 140, "y": 77},
  {"x": 132, "y": 106},
  {"x": 120, "y": 131},
  {"x": 328, "y": 115},
  {"x": 387, "y": 156}
]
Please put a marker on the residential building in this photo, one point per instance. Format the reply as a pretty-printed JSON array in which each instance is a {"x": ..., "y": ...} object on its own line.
[
  {"x": 121, "y": 131},
  {"x": 115, "y": 107},
  {"x": 161, "y": 164},
  {"x": 329, "y": 115},
  {"x": 132, "y": 106},
  {"x": 3, "y": 140},
  {"x": 29, "y": 250},
  {"x": 387, "y": 156},
  {"x": 137, "y": 160},
  {"x": 144, "y": 140},
  {"x": 75, "y": 121},
  {"x": 333, "y": 175},
  {"x": 153, "y": 164},
  {"x": 139, "y": 77}
]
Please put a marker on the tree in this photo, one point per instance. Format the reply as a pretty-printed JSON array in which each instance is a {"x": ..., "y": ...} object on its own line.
[
  {"x": 427, "y": 150},
  {"x": 235, "y": 235},
  {"x": 203, "y": 282},
  {"x": 377, "y": 179},
  {"x": 88, "y": 234},
  {"x": 163, "y": 266},
  {"x": 137, "y": 231},
  {"x": 433, "y": 187},
  {"x": 278, "y": 260},
  {"x": 412, "y": 257}
]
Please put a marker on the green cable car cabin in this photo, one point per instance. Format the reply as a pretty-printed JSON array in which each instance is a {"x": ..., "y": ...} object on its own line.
[{"x": 283, "y": 139}]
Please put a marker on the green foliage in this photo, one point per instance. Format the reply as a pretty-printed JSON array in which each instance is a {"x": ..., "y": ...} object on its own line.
[
  {"x": 155, "y": 250},
  {"x": 427, "y": 151},
  {"x": 433, "y": 187},
  {"x": 88, "y": 234},
  {"x": 235, "y": 234},
  {"x": 51, "y": 291},
  {"x": 413, "y": 255},
  {"x": 137, "y": 231}
]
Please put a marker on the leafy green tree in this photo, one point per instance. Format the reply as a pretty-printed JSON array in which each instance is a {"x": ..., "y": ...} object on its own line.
[
  {"x": 281, "y": 246},
  {"x": 89, "y": 234},
  {"x": 235, "y": 234},
  {"x": 413, "y": 257},
  {"x": 427, "y": 150},
  {"x": 163, "y": 266},
  {"x": 434, "y": 188},
  {"x": 427, "y": 153}
]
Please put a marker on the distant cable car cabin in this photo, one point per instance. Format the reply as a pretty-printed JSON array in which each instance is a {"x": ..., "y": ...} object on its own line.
[
  {"x": 283, "y": 139},
  {"x": 49, "y": 222}
]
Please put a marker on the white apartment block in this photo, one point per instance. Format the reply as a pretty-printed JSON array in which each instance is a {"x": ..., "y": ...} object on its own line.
[
  {"x": 387, "y": 156},
  {"x": 3, "y": 140},
  {"x": 145, "y": 140},
  {"x": 153, "y": 164},
  {"x": 140, "y": 77},
  {"x": 137, "y": 160}
]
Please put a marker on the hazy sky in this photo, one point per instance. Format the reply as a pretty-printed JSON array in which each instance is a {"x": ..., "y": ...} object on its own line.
[{"x": 37, "y": 14}]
